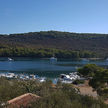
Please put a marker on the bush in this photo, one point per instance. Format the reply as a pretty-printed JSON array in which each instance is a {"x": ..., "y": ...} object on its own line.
[{"x": 78, "y": 82}]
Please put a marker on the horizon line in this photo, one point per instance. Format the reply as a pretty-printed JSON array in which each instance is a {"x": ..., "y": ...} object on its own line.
[{"x": 53, "y": 31}]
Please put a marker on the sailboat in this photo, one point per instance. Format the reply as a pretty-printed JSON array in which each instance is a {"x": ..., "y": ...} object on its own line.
[{"x": 53, "y": 59}]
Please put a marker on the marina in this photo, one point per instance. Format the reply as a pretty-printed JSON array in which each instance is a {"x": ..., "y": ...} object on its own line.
[
  {"x": 63, "y": 78},
  {"x": 22, "y": 77},
  {"x": 44, "y": 67}
]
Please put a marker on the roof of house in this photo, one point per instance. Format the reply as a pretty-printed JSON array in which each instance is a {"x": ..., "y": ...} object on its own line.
[{"x": 23, "y": 100}]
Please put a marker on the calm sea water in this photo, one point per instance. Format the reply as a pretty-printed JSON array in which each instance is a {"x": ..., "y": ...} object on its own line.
[{"x": 43, "y": 67}]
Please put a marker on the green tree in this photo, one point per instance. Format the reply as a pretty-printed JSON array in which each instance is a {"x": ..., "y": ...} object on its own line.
[{"x": 90, "y": 70}]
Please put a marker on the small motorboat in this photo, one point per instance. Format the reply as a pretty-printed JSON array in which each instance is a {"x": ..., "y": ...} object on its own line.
[
  {"x": 10, "y": 59},
  {"x": 10, "y": 75},
  {"x": 42, "y": 79}
]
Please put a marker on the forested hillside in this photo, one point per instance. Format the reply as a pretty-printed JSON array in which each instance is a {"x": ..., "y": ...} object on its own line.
[{"x": 97, "y": 43}]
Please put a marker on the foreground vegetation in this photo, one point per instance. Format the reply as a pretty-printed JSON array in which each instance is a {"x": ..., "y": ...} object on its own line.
[
  {"x": 98, "y": 78},
  {"x": 59, "y": 96}
]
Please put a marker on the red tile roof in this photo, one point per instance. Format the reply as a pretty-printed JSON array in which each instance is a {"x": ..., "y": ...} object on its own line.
[{"x": 22, "y": 100}]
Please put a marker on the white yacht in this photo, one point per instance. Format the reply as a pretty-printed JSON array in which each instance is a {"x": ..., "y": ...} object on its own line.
[
  {"x": 69, "y": 78},
  {"x": 65, "y": 78}
]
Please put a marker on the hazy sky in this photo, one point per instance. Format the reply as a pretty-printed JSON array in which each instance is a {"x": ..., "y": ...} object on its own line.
[{"x": 19, "y": 16}]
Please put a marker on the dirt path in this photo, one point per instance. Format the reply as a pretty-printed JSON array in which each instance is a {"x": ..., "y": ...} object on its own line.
[{"x": 85, "y": 89}]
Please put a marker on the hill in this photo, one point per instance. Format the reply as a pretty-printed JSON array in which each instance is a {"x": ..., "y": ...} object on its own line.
[{"x": 97, "y": 43}]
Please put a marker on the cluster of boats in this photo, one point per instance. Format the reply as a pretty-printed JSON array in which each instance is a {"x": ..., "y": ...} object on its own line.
[
  {"x": 64, "y": 78},
  {"x": 23, "y": 76}
]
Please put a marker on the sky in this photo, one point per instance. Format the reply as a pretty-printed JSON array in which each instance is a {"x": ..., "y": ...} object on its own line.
[{"x": 82, "y": 16}]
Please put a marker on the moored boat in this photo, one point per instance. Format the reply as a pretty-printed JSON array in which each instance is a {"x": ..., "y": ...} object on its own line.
[
  {"x": 69, "y": 78},
  {"x": 10, "y": 59}
]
